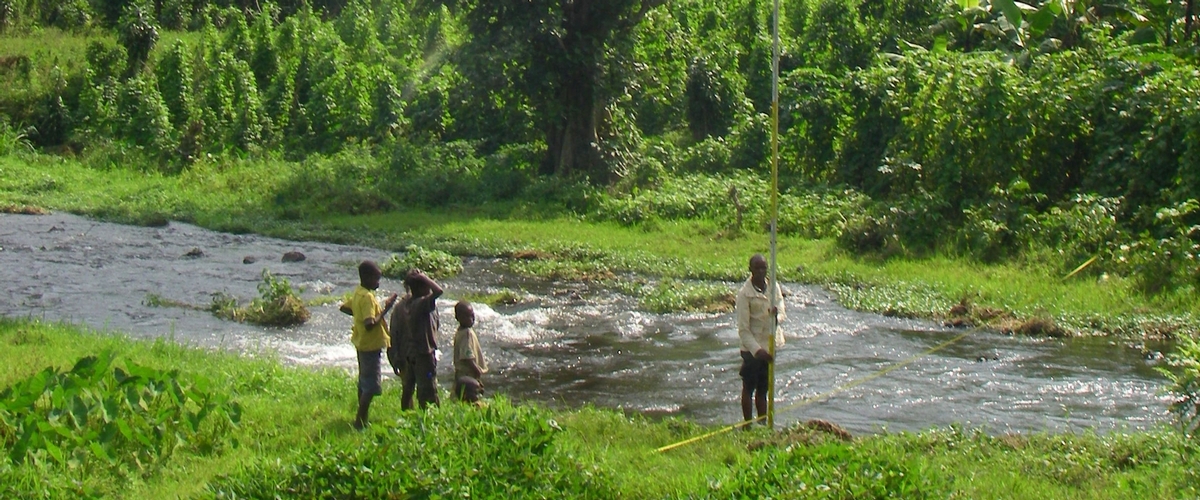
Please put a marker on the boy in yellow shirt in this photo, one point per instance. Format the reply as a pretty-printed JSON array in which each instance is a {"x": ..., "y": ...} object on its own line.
[{"x": 369, "y": 334}]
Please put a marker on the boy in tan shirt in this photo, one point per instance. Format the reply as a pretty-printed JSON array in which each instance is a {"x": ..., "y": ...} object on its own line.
[{"x": 469, "y": 363}]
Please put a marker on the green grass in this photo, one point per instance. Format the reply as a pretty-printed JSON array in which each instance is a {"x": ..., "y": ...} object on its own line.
[
  {"x": 295, "y": 432},
  {"x": 241, "y": 196},
  {"x": 48, "y": 47}
]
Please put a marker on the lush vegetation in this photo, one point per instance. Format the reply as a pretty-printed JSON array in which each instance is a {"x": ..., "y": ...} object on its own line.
[
  {"x": 436, "y": 263},
  {"x": 947, "y": 159},
  {"x": 277, "y": 304},
  {"x": 1040, "y": 136},
  {"x": 272, "y": 430}
]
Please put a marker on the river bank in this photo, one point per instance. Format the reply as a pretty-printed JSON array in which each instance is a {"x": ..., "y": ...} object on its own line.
[
  {"x": 241, "y": 197},
  {"x": 567, "y": 343},
  {"x": 294, "y": 440}
]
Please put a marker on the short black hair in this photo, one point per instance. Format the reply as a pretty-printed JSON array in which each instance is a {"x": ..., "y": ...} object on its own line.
[
  {"x": 462, "y": 307},
  {"x": 368, "y": 268}
]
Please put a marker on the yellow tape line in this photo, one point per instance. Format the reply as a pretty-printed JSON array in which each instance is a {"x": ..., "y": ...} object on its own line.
[{"x": 818, "y": 397}]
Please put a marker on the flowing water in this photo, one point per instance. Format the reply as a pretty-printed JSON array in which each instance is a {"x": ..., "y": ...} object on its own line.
[{"x": 571, "y": 344}]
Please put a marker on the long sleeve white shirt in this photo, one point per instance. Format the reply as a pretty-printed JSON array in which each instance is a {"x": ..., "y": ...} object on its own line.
[{"x": 753, "y": 311}]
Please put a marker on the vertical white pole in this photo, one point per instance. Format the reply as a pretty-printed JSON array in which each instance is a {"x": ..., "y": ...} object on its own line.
[{"x": 772, "y": 284}]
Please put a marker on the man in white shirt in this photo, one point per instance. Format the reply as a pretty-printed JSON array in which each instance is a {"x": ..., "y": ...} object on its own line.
[{"x": 757, "y": 321}]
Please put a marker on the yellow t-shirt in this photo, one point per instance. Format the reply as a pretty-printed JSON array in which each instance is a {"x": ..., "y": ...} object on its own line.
[{"x": 365, "y": 306}]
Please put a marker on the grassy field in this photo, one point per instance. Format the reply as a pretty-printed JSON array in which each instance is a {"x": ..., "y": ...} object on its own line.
[
  {"x": 294, "y": 440},
  {"x": 243, "y": 196}
]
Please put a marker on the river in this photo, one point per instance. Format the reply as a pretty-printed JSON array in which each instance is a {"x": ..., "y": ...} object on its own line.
[{"x": 572, "y": 344}]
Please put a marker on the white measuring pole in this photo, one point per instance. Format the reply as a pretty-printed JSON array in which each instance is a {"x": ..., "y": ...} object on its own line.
[{"x": 772, "y": 284}]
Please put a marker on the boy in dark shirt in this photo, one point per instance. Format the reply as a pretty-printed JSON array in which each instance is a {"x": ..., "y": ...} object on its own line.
[
  {"x": 397, "y": 353},
  {"x": 421, "y": 369}
]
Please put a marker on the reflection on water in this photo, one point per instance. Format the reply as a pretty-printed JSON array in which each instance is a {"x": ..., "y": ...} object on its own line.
[{"x": 571, "y": 344}]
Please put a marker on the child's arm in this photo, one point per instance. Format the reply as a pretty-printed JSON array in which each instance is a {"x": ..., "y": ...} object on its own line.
[
  {"x": 387, "y": 306},
  {"x": 473, "y": 368},
  {"x": 434, "y": 288}
]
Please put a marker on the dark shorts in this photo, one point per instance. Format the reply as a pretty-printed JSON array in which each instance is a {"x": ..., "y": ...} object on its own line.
[
  {"x": 368, "y": 373},
  {"x": 467, "y": 389},
  {"x": 754, "y": 373},
  {"x": 424, "y": 373}
]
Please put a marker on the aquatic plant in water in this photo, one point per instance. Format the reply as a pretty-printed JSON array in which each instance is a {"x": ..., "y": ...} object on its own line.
[
  {"x": 436, "y": 263},
  {"x": 278, "y": 304}
]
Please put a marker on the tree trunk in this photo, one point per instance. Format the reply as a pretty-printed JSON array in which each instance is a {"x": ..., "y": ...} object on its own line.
[
  {"x": 1187, "y": 20},
  {"x": 572, "y": 146},
  {"x": 571, "y": 138},
  {"x": 572, "y": 141}
]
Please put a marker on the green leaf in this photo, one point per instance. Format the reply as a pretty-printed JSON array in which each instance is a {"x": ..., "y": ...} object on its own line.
[
  {"x": 120, "y": 375},
  {"x": 1011, "y": 11},
  {"x": 939, "y": 43},
  {"x": 1042, "y": 20},
  {"x": 55, "y": 452},
  {"x": 125, "y": 430},
  {"x": 79, "y": 412},
  {"x": 99, "y": 452},
  {"x": 966, "y": 4}
]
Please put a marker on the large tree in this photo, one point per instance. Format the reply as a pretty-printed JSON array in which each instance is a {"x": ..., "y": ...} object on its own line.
[{"x": 553, "y": 53}]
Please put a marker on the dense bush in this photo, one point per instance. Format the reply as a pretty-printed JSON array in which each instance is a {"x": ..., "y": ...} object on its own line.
[
  {"x": 104, "y": 415},
  {"x": 277, "y": 304},
  {"x": 1184, "y": 374},
  {"x": 437, "y": 264},
  {"x": 455, "y": 450},
  {"x": 961, "y": 130}
]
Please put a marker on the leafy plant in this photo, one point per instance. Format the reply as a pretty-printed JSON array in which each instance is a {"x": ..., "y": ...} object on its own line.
[
  {"x": 505, "y": 296},
  {"x": 1185, "y": 384},
  {"x": 499, "y": 450},
  {"x": 675, "y": 296},
  {"x": 102, "y": 414},
  {"x": 436, "y": 263},
  {"x": 13, "y": 141},
  {"x": 277, "y": 304},
  {"x": 138, "y": 34}
]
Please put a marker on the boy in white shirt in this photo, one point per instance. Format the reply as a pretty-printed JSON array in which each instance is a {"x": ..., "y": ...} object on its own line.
[{"x": 757, "y": 321}]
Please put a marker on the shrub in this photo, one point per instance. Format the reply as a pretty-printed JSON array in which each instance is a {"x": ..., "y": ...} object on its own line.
[
  {"x": 714, "y": 98},
  {"x": 112, "y": 416},
  {"x": 277, "y": 304},
  {"x": 434, "y": 174},
  {"x": 436, "y": 263},
  {"x": 1169, "y": 262},
  {"x": 174, "y": 76},
  {"x": 1185, "y": 384},
  {"x": 453, "y": 450},
  {"x": 818, "y": 214},
  {"x": 145, "y": 120},
  {"x": 352, "y": 181},
  {"x": 138, "y": 34},
  {"x": 1079, "y": 229},
  {"x": 13, "y": 140}
]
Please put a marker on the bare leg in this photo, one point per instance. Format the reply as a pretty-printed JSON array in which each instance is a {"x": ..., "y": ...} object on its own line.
[
  {"x": 364, "y": 405},
  {"x": 746, "y": 409},
  {"x": 760, "y": 402},
  {"x": 408, "y": 387}
]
